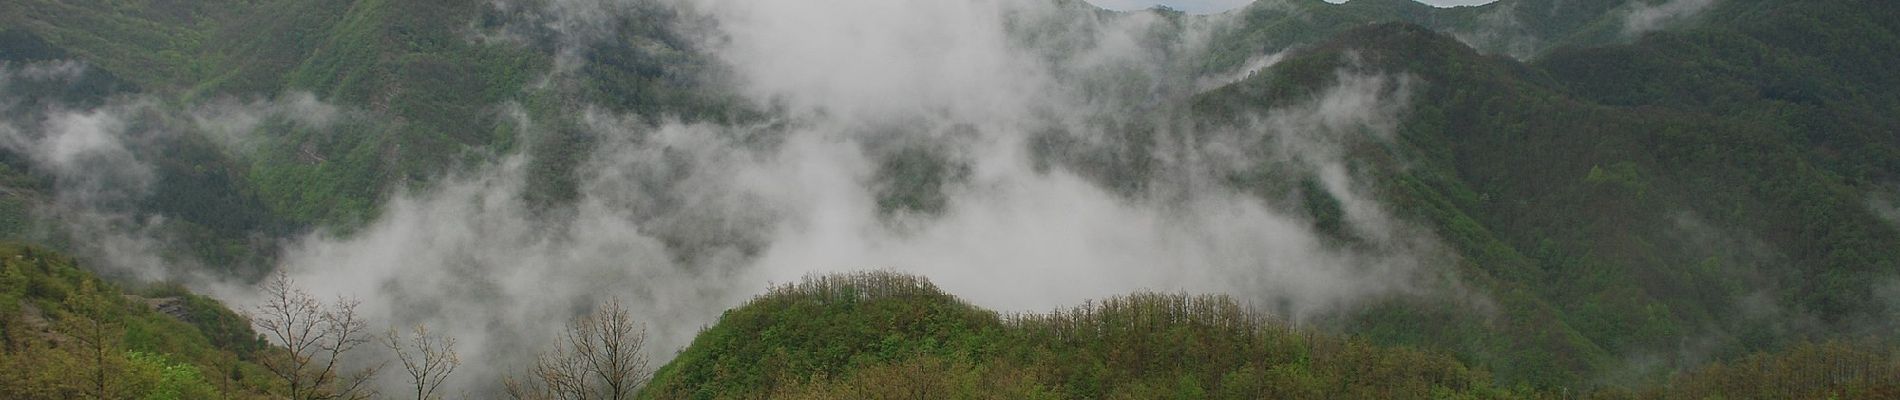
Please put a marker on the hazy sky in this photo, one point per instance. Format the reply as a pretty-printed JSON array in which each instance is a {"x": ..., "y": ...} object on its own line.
[{"x": 1214, "y": 6}]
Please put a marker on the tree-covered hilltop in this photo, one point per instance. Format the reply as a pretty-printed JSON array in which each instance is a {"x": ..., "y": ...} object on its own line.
[
  {"x": 883, "y": 335},
  {"x": 886, "y": 335}
]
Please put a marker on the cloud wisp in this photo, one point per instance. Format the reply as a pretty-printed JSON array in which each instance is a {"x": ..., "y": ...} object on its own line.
[
  {"x": 109, "y": 158},
  {"x": 1647, "y": 17}
]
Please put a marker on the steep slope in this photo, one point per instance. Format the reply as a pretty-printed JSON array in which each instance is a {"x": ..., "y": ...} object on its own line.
[
  {"x": 264, "y": 120},
  {"x": 1668, "y": 201},
  {"x": 67, "y": 334},
  {"x": 1416, "y": 171},
  {"x": 188, "y": 181},
  {"x": 1526, "y": 29},
  {"x": 422, "y": 85}
]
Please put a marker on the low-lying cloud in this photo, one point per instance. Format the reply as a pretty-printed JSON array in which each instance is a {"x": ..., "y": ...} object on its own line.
[
  {"x": 233, "y": 123},
  {"x": 682, "y": 220},
  {"x": 100, "y": 153},
  {"x": 87, "y": 154},
  {"x": 1500, "y": 30}
]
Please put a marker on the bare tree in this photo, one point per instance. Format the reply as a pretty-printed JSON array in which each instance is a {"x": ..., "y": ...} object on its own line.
[
  {"x": 427, "y": 357},
  {"x": 315, "y": 337},
  {"x": 599, "y": 357}
]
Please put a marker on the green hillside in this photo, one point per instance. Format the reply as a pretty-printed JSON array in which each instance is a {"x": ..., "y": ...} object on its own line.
[
  {"x": 882, "y": 335},
  {"x": 1620, "y": 224},
  {"x": 67, "y": 334}
]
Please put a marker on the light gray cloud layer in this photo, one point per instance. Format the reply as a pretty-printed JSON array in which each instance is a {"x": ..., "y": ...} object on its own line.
[
  {"x": 469, "y": 258},
  {"x": 685, "y": 220}
]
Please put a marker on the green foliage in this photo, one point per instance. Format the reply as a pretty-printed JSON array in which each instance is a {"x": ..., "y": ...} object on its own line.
[
  {"x": 923, "y": 377},
  {"x": 1617, "y": 201},
  {"x": 1328, "y": 217},
  {"x": 818, "y": 339},
  {"x": 1622, "y": 175},
  {"x": 1864, "y": 369},
  {"x": 829, "y": 326},
  {"x": 66, "y": 334},
  {"x": 914, "y": 180},
  {"x": 886, "y": 335},
  {"x": 161, "y": 379},
  {"x": 14, "y": 217}
]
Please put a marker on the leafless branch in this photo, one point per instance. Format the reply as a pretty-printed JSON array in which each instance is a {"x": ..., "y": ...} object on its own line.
[
  {"x": 314, "y": 339},
  {"x": 428, "y": 358},
  {"x": 598, "y": 356}
]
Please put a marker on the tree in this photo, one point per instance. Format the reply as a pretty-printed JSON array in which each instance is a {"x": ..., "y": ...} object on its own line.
[
  {"x": 99, "y": 339},
  {"x": 315, "y": 337},
  {"x": 598, "y": 357},
  {"x": 428, "y": 358}
]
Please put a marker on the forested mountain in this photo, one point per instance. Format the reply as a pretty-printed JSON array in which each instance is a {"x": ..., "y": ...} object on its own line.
[{"x": 1528, "y": 198}]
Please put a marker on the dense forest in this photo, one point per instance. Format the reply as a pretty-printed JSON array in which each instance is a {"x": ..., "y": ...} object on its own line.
[{"x": 1295, "y": 198}]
